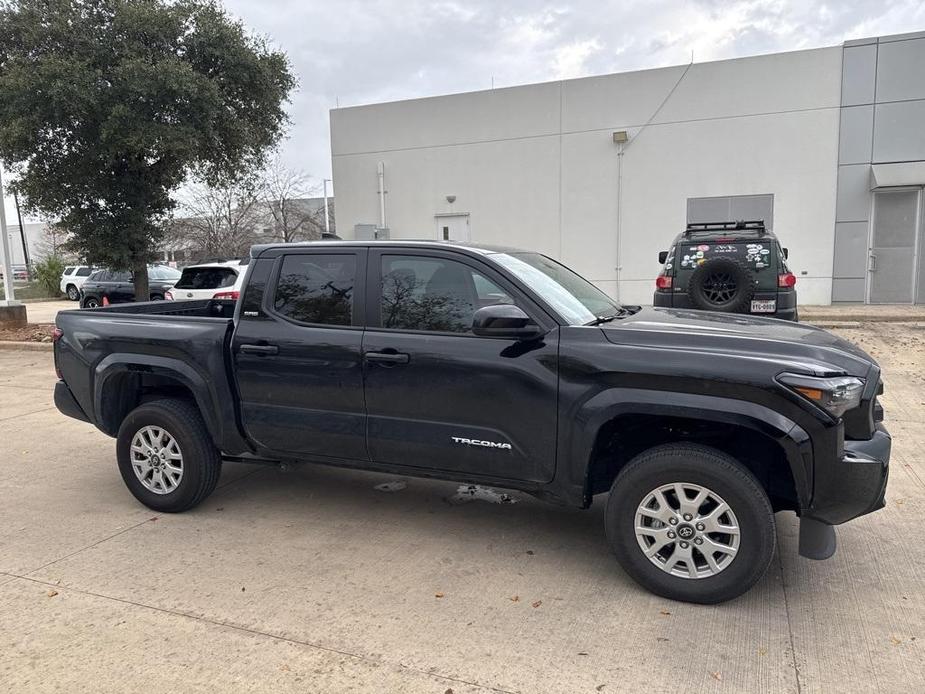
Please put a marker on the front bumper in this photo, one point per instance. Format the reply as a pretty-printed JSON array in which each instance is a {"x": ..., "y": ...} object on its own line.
[{"x": 859, "y": 488}]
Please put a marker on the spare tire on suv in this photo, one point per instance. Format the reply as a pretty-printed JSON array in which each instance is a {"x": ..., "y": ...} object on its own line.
[{"x": 721, "y": 284}]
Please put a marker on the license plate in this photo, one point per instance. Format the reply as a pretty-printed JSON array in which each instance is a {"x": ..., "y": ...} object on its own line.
[{"x": 764, "y": 306}]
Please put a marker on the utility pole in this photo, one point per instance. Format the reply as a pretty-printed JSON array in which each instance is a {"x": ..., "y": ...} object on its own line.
[
  {"x": 327, "y": 219},
  {"x": 22, "y": 234},
  {"x": 7, "y": 266}
]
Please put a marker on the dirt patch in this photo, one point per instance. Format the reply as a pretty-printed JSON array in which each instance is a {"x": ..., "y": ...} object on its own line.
[{"x": 34, "y": 332}]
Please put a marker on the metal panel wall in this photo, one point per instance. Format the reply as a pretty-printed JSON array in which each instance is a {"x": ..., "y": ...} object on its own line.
[{"x": 883, "y": 108}]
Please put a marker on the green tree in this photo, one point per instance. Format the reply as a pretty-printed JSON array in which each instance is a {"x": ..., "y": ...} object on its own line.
[{"x": 107, "y": 106}]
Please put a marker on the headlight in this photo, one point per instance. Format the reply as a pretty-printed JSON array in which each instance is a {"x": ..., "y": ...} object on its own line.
[{"x": 835, "y": 395}]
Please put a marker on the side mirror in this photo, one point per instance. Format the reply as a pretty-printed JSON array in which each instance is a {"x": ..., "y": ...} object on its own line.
[
  {"x": 662, "y": 257},
  {"x": 505, "y": 320},
  {"x": 786, "y": 253}
]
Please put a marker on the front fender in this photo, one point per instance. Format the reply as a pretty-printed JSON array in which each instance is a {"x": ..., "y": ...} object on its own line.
[{"x": 577, "y": 447}]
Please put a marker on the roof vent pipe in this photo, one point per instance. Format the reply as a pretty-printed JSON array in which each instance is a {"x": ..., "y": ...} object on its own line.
[{"x": 380, "y": 170}]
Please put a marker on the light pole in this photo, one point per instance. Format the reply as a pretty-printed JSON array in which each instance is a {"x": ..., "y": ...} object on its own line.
[
  {"x": 9, "y": 298},
  {"x": 327, "y": 219}
]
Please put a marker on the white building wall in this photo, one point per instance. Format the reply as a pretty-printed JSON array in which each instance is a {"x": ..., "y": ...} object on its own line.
[{"x": 536, "y": 167}]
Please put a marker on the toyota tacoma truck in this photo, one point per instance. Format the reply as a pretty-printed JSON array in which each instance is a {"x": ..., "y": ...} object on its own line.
[{"x": 496, "y": 367}]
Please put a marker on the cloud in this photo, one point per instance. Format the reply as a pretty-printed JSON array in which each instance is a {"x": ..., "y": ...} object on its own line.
[{"x": 363, "y": 51}]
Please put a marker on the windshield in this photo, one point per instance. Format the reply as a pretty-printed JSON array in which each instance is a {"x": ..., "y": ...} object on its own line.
[
  {"x": 574, "y": 297},
  {"x": 163, "y": 272}
]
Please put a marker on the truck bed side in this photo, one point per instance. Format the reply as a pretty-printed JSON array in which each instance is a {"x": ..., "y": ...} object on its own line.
[{"x": 112, "y": 359}]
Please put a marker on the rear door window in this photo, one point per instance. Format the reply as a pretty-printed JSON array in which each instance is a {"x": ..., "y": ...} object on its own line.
[
  {"x": 207, "y": 278},
  {"x": 317, "y": 288},
  {"x": 84, "y": 271}
]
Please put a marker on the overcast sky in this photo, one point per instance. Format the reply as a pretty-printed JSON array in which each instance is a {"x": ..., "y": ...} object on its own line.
[{"x": 358, "y": 51}]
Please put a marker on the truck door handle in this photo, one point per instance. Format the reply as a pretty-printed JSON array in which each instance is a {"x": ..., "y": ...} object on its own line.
[
  {"x": 872, "y": 263},
  {"x": 260, "y": 350},
  {"x": 390, "y": 357}
]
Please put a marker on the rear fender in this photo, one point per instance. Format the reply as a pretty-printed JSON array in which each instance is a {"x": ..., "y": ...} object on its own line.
[{"x": 208, "y": 400}]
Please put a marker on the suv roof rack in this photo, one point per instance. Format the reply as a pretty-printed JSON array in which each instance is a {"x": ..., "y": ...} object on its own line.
[{"x": 756, "y": 225}]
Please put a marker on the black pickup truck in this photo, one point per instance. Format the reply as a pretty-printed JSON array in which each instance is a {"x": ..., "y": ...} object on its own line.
[{"x": 498, "y": 367}]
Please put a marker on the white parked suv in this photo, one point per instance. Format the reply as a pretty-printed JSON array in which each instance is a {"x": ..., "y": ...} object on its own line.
[
  {"x": 73, "y": 279},
  {"x": 219, "y": 280}
]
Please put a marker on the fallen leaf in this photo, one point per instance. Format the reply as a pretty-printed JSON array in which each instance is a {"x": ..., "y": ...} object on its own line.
[
  {"x": 284, "y": 667},
  {"x": 582, "y": 653},
  {"x": 664, "y": 612},
  {"x": 530, "y": 552},
  {"x": 153, "y": 519},
  {"x": 600, "y": 687},
  {"x": 717, "y": 676},
  {"x": 895, "y": 641},
  {"x": 448, "y": 691},
  {"x": 220, "y": 508},
  {"x": 762, "y": 651},
  {"x": 438, "y": 595},
  {"x": 660, "y": 638},
  {"x": 538, "y": 603},
  {"x": 514, "y": 598},
  {"x": 52, "y": 593}
]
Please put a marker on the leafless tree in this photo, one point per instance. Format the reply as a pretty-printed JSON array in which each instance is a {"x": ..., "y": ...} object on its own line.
[
  {"x": 53, "y": 243},
  {"x": 286, "y": 196},
  {"x": 217, "y": 221}
]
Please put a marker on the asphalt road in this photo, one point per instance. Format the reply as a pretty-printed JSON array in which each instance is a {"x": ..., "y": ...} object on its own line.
[{"x": 313, "y": 580}]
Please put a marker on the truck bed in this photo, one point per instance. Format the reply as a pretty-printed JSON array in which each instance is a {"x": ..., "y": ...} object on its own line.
[{"x": 123, "y": 351}]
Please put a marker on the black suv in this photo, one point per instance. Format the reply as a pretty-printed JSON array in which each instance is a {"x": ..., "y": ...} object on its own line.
[
  {"x": 732, "y": 267},
  {"x": 110, "y": 287}
]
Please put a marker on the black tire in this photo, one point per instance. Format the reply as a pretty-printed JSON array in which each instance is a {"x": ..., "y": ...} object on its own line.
[
  {"x": 90, "y": 302},
  {"x": 714, "y": 470},
  {"x": 72, "y": 292},
  {"x": 721, "y": 284},
  {"x": 157, "y": 297},
  {"x": 202, "y": 463}
]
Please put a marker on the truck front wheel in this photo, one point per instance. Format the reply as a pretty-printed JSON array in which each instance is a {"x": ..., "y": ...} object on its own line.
[
  {"x": 690, "y": 523},
  {"x": 166, "y": 456}
]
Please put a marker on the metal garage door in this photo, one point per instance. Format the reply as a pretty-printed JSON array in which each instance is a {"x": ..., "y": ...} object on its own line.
[{"x": 729, "y": 208}]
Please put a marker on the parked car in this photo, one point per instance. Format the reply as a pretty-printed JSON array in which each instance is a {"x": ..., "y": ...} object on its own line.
[
  {"x": 731, "y": 267},
  {"x": 219, "y": 280},
  {"x": 72, "y": 279},
  {"x": 109, "y": 287},
  {"x": 496, "y": 367}
]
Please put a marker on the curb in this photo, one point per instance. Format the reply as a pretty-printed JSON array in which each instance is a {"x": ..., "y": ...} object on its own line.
[
  {"x": 860, "y": 318},
  {"x": 10, "y": 346}
]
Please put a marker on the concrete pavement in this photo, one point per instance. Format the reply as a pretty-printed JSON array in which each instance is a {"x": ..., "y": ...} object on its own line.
[
  {"x": 313, "y": 580},
  {"x": 45, "y": 311}
]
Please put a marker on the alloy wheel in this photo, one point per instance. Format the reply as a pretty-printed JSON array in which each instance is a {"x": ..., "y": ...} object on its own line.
[
  {"x": 156, "y": 459},
  {"x": 687, "y": 530}
]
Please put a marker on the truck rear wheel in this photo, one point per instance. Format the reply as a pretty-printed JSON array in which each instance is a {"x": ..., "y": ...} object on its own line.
[
  {"x": 690, "y": 523},
  {"x": 166, "y": 456}
]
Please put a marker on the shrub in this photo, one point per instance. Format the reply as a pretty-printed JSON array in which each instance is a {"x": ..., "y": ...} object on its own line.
[{"x": 48, "y": 273}]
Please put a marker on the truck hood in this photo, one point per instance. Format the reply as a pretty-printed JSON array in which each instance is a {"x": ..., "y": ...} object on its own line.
[{"x": 796, "y": 345}]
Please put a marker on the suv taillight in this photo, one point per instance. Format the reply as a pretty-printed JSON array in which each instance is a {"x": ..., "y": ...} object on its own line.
[
  {"x": 227, "y": 295},
  {"x": 663, "y": 282},
  {"x": 786, "y": 281}
]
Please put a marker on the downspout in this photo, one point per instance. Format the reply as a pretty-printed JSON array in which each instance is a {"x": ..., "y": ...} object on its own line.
[
  {"x": 619, "y": 218},
  {"x": 380, "y": 170}
]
